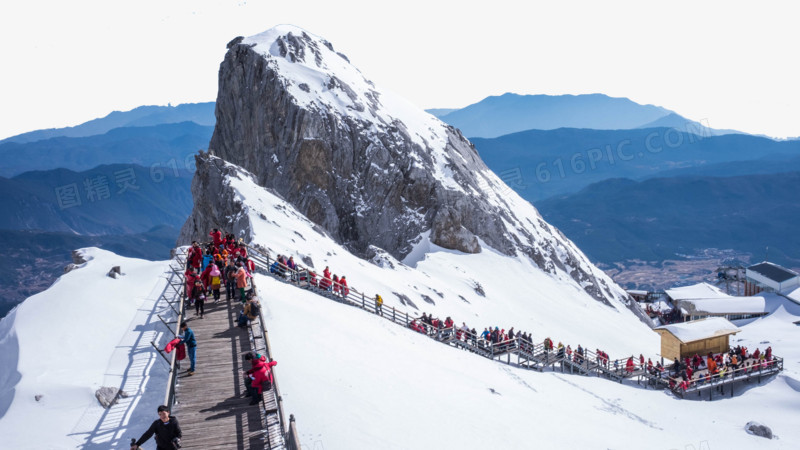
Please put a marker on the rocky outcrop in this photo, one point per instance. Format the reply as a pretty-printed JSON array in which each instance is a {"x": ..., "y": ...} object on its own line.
[
  {"x": 368, "y": 168},
  {"x": 77, "y": 261},
  {"x": 758, "y": 429},
  {"x": 215, "y": 205},
  {"x": 108, "y": 396}
]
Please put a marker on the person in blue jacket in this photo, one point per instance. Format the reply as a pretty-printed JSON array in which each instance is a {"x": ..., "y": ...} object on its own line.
[{"x": 191, "y": 345}]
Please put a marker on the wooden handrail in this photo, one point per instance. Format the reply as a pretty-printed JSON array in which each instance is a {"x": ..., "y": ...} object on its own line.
[{"x": 169, "y": 397}]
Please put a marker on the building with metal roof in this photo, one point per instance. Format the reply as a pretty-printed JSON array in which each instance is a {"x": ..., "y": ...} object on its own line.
[{"x": 769, "y": 277}]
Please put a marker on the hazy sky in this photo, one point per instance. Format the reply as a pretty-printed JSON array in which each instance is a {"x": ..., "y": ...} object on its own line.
[{"x": 734, "y": 64}]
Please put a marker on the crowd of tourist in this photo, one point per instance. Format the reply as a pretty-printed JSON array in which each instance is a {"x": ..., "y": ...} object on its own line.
[
  {"x": 499, "y": 341},
  {"x": 288, "y": 268},
  {"x": 681, "y": 374},
  {"x": 224, "y": 263},
  {"x": 698, "y": 370}
]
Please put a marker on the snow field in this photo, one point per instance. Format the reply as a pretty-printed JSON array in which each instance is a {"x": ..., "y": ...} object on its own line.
[
  {"x": 86, "y": 331},
  {"x": 355, "y": 381}
]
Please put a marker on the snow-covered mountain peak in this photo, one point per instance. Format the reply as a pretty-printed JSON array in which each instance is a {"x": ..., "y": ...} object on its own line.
[
  {"x": 376, "y": 173},
  {"x": 319, "y": 77}
]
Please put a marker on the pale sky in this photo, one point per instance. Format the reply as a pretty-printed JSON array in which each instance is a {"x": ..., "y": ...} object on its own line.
[{"x": 732, "y": 63}]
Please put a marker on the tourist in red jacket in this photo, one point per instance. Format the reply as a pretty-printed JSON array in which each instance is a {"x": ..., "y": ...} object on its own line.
[
  {"x": 326, "y": 279},
  {"x": 345, "y": 289},
  {"x": 205, "y": 277},
  {"x": 195, "y": 255},
  {"x": 216, "y": 237},
  {"x": 191, "y": 277},
  {"x": 260, "y": 376},
  {"x": 630, "y": 366}
]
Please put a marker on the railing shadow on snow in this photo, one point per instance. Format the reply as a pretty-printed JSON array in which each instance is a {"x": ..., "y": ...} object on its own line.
[{"x": 116, "y": 419}]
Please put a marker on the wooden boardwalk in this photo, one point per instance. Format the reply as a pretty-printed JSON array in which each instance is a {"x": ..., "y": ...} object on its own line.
[{"x": 211, "y": 407}]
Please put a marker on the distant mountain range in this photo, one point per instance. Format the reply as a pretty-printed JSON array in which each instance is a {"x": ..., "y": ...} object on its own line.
[
  {"x": 143, "y": 116},
  {"x": 543, "y": 163},
  {"x": 510, "y": 113},
  {"x": 121, "y": 182},
  {"x": 112, "y": 199},
  {"x": 165, "y": 144},
  {"x": 130, "y": 210},
  {"x": 766, "y": 165},
  {"x": 660, "y": 218},
  {"x": 681, "y": 123}
]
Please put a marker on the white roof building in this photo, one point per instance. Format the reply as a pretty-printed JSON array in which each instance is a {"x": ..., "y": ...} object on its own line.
[
  {"x": 704, "y": 300},
  {"x": 695, "y": 291}
]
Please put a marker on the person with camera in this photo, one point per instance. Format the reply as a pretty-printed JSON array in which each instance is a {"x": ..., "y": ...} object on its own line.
[{"x": 167, "y": 431}]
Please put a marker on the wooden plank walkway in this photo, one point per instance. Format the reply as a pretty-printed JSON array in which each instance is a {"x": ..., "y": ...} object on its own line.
[{"x": 211, "y": 408}]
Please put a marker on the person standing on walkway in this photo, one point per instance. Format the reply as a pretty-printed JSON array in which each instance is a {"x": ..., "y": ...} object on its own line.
[
  {"x": 241, "y": 281},
  {"x": 191, "y": 345},
  {"x": 216, "y": 236},
  {"x": 194, "y": 257},
  {"x": 378, "y": 304},
  {"x": 199, "y": 298},
  {"x": 168, "y": 432},
  {"x": 230, "y": 280}
]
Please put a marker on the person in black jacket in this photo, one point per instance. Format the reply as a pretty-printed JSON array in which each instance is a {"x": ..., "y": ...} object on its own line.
[{"x": 167, "y": 431}]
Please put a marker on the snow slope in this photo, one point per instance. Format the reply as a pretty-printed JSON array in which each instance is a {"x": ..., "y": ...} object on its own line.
[
  {"x": 86, "y": 331},
  {"x": 355, "y": 381},
  {"x": 443, "y": 282}
]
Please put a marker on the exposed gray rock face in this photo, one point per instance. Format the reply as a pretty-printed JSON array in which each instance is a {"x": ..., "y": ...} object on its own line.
[
  {"x": 331, "y": 145},
  {"x": 77, "y": 262},
  {"x": 77, "y": 257},
  {"x": 758, "y": 430},
  {"x": 108, "y": 396},
  {"x": 214, "y": 203}
]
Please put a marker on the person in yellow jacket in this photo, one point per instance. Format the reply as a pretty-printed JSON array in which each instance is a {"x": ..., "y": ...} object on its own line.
[{"x": 378, "y": 304}]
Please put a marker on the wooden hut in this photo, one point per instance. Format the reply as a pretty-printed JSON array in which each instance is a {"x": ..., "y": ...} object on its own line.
[{"x": 684, "y": 340}]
